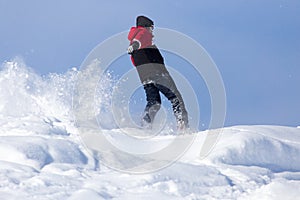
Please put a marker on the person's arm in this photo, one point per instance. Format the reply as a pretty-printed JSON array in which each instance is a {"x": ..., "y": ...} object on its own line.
[{"x": 143, "y": 39}]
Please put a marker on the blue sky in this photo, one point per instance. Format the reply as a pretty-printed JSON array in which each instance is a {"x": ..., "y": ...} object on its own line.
[{"x": 255, "y": 44}]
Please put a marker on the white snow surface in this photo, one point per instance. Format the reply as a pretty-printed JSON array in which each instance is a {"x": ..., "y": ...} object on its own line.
[{"x": 43, "y": 157}]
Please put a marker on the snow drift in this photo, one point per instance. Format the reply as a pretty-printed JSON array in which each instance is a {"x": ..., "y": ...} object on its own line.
[{"x": 42, "y": 156}]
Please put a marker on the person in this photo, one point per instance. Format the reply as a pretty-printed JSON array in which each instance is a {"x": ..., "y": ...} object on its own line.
[{"x": 153, "y": 74}]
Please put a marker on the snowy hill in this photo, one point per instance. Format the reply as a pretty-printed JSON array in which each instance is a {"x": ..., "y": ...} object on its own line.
[{"x": 43, "y": 157}]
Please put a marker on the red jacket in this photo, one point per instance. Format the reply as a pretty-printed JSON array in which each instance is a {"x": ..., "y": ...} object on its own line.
[
  {"x": 147, "y": 51},
  {"x": 141, "y": 35}
]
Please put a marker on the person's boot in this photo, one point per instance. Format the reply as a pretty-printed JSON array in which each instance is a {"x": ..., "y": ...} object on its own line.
[
  {"x": 181, "y": 123},
  {"x": 146, "y": 121},
  {"x": 180, "y": 115},
  {"x": 149, "y": 115}
]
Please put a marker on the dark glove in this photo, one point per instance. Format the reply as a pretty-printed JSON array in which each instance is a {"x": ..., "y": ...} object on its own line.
[{"x": 134, "y": 46}]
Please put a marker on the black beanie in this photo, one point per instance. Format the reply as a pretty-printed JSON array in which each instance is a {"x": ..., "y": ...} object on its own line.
[{"x": 144, "y": 21}]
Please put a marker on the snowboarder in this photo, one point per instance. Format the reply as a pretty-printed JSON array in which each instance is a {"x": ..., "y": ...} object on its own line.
[{"x": 153, "y": 74}]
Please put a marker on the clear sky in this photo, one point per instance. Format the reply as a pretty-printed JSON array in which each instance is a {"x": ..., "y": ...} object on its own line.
[{"x": 255, "y": 44}]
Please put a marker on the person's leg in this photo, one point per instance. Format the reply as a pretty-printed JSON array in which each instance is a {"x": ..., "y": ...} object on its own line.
[
  {"x": 153, "y": 104},
  {"x": 178, "y": 106}
]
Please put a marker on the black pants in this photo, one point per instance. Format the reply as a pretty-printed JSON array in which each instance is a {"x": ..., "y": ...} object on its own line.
[{"x": 154, "y": 101}]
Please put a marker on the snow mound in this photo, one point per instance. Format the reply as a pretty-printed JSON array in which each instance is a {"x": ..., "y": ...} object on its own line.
[
  {"x": 38, "y": 152},
  {"x": 43, "y": 157},
  {"x": 273, "y": 147}
]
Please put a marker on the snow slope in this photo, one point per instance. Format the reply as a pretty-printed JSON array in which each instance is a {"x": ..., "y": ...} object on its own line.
[{"x": 43, "y": 157}]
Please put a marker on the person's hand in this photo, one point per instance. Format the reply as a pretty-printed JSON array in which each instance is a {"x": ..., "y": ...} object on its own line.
[{"x": 130, "y": 49}]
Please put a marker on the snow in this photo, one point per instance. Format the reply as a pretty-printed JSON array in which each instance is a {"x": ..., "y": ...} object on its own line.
[{"x": 42, "y": 155}]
